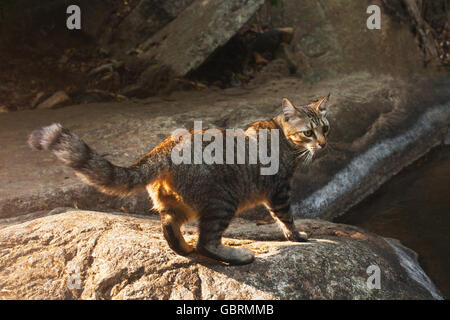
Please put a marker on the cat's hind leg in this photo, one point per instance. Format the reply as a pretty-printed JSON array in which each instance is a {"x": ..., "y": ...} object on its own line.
[
  {"x": 212, "y": 225},
  {"x": 171, "y": 224},
  {"x": 173, "y": 214}
]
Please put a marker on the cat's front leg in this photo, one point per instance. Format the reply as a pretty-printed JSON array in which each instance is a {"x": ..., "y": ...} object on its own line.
[
  {"x": 286, "y": 223},
  {"x": 280, "y": 209}
]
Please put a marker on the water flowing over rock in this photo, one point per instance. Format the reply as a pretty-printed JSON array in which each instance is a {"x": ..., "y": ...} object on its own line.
[{"x": 93, "y": 255}]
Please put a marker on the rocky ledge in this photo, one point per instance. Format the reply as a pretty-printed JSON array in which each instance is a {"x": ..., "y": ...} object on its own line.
[
  {"x": 94, "y": 255},
  {"x": 379, "y": 125}
]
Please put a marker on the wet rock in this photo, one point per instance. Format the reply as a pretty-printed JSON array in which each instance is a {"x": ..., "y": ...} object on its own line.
[
  {"x": 58, "y": 99},
  {"x": 93, "y": 255}
]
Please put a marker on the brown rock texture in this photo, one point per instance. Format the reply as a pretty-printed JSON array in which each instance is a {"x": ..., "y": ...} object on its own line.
[{"x": 94, "y": 255}]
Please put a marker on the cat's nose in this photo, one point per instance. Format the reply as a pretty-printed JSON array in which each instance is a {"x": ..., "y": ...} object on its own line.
[{"x": 322, "y": 144}]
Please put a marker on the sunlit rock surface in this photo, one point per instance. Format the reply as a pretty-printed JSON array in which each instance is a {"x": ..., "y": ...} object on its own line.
[{"x": 94, "y": 255}]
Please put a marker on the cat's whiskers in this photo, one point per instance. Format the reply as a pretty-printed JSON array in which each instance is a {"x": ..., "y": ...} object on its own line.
[
  {"x": 300, "y": 153},
  {"x": 308, "y": 159},
  {"x": 306, "y": 154}
]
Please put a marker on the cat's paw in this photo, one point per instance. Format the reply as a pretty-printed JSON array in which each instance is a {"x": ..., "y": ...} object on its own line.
[
  {"x": 295, "y": 236},
  {"x": 226, "y": 254},
  {"x": 241, "y": 256}
]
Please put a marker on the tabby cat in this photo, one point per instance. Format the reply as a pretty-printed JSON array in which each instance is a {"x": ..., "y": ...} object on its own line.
[{"x": 211, "y": 193}]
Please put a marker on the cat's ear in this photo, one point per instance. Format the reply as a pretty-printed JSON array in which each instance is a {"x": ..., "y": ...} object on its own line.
[
  {"x": 288, "y": 109},
  {"x": 321, "y": 105}
]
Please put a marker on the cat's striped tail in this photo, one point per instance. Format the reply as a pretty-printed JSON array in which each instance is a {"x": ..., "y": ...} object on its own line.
[{"x": 89, "y": 165}]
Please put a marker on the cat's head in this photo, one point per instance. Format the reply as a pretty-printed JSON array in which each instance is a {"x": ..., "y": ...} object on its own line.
[{"x": 306, "y": 127}]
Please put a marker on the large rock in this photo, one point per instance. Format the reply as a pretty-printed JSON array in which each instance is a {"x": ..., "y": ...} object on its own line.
[
  {"x": 332, "y": 37},
  {"x": 379, "y": 124},
  {"x": 93, "y": 255},
  {"x": 191, "y": 38},
  {"x": 148, "y": 17}
]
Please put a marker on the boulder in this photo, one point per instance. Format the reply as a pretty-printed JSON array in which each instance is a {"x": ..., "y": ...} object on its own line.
[
  {"x": 191, "y": 38},
  {"x": 332, "y": 38},
  {"x": 94, "y": 255},
  {"x": 148, "y": 17}
]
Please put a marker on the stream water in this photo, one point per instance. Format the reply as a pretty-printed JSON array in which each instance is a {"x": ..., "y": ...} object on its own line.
[{"x": 414, "y": 207}]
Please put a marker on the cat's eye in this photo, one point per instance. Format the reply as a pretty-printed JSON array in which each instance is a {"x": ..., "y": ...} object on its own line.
[
  {"x": 325, "y": 129},
  {"x": 308, "y": 133}
]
